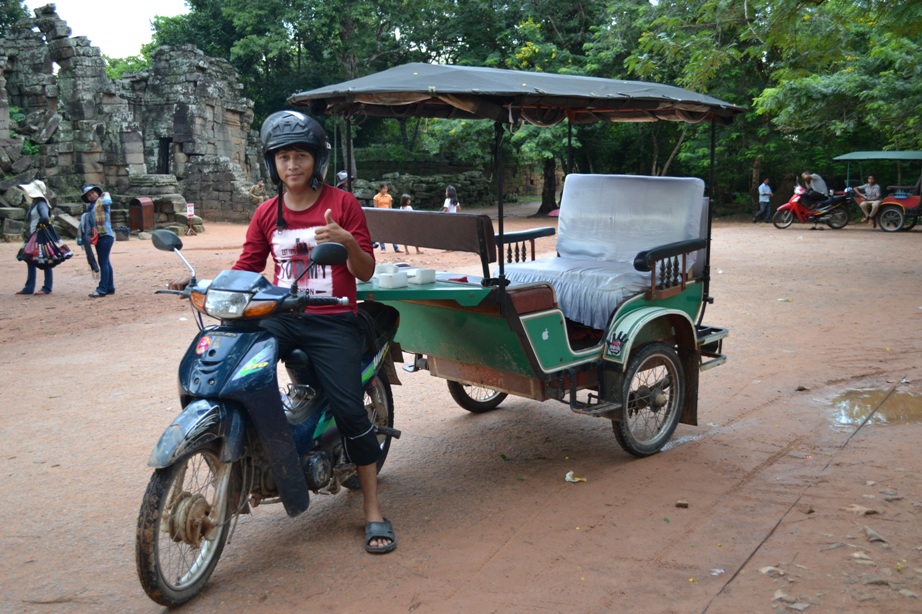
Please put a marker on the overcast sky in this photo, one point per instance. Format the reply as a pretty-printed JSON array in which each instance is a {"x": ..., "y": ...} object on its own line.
[{"x": 117, "y": 27}]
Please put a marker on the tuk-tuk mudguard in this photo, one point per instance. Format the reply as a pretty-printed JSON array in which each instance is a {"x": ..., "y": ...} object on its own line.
[
  {"x": 645, "y": 324},
  {"x": 200, "y": 422},
  {"x": 649, "y": 324}
]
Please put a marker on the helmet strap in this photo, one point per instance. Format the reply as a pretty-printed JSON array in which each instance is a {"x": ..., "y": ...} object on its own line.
[{"x": 280, "y": 223}]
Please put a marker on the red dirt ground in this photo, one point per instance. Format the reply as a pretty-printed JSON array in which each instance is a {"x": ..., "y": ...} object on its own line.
[{"x": 823, "y": 326}]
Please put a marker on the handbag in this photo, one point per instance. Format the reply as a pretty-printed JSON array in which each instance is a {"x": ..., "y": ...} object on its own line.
[
  {"x": 27, "y": 251},
  {"x": 45, "y": 249}
]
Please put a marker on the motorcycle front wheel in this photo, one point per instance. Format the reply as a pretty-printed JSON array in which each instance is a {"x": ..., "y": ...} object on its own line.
[
  {"x": 782, "y": 218},
  {"x": 652, "y": 400},
  {"x": 183, "y": 525},
  {"x": 379, "y": 405},
  {"x": 838, "y": 218}
]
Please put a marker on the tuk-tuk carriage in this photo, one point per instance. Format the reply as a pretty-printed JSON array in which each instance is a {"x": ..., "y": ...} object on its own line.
[
  {"x": 613, "y": 324},
  {"x": 900, "y": 207}
]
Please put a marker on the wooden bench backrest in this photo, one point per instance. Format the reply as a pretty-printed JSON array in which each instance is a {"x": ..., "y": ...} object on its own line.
[{"x": 463, "y": 232}]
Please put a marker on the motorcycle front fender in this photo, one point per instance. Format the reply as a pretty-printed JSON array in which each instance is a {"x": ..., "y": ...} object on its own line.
[{"x": 201, "y": 422}]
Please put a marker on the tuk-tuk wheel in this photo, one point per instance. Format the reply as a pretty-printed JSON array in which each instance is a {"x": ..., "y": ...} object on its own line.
[
  {"x": 475, "y": 399},
  {"x": 652, "y": 400},
  {"x": 891, "y": 218}
]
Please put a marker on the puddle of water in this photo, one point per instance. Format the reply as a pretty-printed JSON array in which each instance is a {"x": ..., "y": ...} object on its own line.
[{"x": 853, "y": 406}]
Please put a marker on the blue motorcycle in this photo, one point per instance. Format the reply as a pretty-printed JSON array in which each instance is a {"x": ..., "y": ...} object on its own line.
[{"x": 239, "y": 440}]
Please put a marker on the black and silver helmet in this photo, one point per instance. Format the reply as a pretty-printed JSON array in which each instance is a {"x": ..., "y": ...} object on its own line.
[{"x": 291, "y": 128}]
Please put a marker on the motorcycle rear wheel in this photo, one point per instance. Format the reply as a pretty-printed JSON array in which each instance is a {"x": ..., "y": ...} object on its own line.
[
  {"x": 379, "y": 404},
  {"x": 181, "y": 534},
  {"x": 782, "y": 218},
  {"x": 475, "y": 399},
  {"x": 652, "y": 400},
  {"x": 838, "y": 218}
]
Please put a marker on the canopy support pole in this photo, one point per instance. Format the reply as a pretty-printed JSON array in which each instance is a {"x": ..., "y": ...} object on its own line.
[
  {"x": 498, "y": 162},
  {"x": 707, "y": 250},
  {"x": 569, "y": 147},
  {"x": 350, "y": 163}
]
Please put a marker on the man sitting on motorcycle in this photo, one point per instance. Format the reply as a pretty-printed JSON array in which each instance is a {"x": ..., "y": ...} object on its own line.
[
  {"x": 816, "y": 190},
  {"x": 307, "y": 212}
]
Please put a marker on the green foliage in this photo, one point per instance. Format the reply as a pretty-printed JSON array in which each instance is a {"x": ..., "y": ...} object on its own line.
[
  {"x": 820, "y": 77},
  {"x": 29, "y": 148},
  {"x": 460, "y": 141},
  {"x": 11, "y": 11},
  {"x": 116, "y": 68}
]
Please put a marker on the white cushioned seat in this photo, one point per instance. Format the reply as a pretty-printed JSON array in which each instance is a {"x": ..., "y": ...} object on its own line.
[{"x": 605, "y": 220}]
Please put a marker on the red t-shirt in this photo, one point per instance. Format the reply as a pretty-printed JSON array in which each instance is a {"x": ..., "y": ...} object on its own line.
[{"x": 291, "y": 248}]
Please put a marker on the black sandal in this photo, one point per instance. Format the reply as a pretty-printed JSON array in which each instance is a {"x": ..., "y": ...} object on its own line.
[{"x": 379, "y": 530}]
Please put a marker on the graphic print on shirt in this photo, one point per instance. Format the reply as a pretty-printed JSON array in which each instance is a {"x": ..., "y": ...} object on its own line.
[{"x": 292, "y": 249}]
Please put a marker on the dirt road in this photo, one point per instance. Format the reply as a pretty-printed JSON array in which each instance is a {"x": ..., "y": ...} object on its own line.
[{"x": 826, "y": 327}]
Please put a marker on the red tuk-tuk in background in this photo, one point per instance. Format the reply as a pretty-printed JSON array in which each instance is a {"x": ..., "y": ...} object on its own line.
[{"x": 900, "y": 207}]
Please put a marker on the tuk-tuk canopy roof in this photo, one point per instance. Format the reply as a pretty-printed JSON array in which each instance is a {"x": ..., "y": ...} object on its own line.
[
  {"x": 544, "y": 99},
  {"x": 857, "y": 156}
]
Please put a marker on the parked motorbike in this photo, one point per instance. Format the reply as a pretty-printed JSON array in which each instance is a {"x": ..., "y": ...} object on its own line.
[
  {"x": 833, "y": 211},
  {"x": 239, "y": 441}
]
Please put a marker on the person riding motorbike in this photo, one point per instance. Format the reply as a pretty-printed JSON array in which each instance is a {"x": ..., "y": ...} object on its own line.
[
  {"x": 816, "y": 190},
  {"x": 305, "y": 213}
]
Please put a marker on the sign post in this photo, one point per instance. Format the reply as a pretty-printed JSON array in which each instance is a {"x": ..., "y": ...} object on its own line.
[{"x": 190, "y": 213}]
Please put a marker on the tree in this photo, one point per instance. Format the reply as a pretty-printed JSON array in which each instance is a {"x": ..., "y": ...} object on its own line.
[
  {"x": 11, "y": 11},
  {"x": 116, "y": 68},
  {"x": 545, "y": 146}
]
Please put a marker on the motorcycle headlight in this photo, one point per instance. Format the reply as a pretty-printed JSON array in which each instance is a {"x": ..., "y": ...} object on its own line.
[{"x": 226, "y": 305}]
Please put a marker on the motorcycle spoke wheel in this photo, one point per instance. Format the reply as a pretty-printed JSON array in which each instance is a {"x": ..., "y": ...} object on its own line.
[
  {"x": 475, "y": 399},
  {"x": 181, "y": 532},
  {"x": 890, "y": 219},
  {"x": 379, "y": 405},
  {"x": 782, "y": 219},
  {"x": 652, "y": 400}
]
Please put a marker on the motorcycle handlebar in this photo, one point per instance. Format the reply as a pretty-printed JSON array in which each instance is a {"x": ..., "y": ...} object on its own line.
[
  {"x": 300, "y": 301},
  {"x": 180, "y": 293},
  {"x": 327, "y": 300}
]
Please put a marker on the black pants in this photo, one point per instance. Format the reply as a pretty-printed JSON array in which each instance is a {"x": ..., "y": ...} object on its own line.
[
  {"x": 334, "y": 344},
  {"x": 812, "y": 198}
]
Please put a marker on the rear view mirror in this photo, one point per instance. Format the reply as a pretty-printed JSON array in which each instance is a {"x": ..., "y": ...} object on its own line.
[
  {"x": 166, "y": 240},
  {"x": 328, "y": 254}
]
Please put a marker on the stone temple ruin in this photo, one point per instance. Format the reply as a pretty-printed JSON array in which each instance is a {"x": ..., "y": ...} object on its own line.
[{"x": 156, "y": 140}]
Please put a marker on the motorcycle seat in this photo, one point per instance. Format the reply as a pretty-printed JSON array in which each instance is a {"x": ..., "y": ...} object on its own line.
[{"x": 375, "y": 321}]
